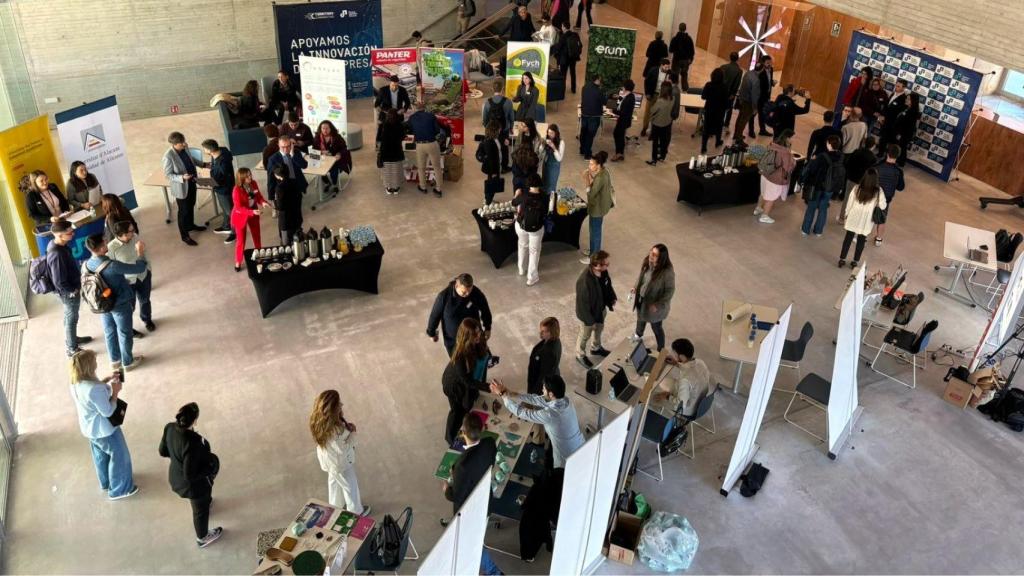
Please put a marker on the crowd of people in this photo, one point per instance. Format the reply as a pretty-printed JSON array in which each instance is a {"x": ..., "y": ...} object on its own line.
[{"x": 842, "y": 165}]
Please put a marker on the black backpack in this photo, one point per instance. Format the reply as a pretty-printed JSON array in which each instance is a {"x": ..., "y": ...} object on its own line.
[
  {"x": 496, "y": 113},
  {"x": 532, "y": 215},
  {"x": 753, "y": 480},
  {"x": 1008, "y": 407},
  {"x": 95, "y": 291},
  {"x": 386, "y": 544},
  {"x": 574, "y": 47}
]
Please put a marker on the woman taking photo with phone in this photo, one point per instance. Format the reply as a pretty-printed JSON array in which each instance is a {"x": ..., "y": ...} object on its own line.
[{"x": 335, "y": 439}]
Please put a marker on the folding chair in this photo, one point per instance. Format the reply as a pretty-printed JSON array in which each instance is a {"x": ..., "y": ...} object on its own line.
[{"x": 906, "y": 342}]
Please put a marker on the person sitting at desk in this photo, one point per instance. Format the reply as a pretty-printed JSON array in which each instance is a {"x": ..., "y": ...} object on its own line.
[
  {"x": 465, "y": 375},
  {"x": 330, "y": 142},
  {"x": 300, "y": 133},
  {"x": 84, "y": 190},
  {"x": 43, "y": 199},
  {"x": 284, "y": 97},
  {"x": 690, "y": 380},
  {"x": 550, "y": 409}
]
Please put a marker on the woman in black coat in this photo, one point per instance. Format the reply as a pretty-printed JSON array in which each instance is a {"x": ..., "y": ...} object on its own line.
[
  {"x": 623, "y": 118},
  {"x": 545, "y": 356},
  {"x": 43, "y": 199},
  {"x": 392, "y": 151},
  {"x": 465, "y": 376},
  {"x": 527, "y": 96},
  {"x": 491, "y": 164},
  {"x": 193, "y": 469},
  {"x": 716, "y": 101}
]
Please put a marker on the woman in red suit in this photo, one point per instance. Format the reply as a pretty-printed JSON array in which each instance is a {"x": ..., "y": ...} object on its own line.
[{"x": 248, "y": 202}]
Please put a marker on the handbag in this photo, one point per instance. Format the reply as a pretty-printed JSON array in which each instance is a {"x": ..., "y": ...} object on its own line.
[
  {"x": 494, "y": 185},
  {"x": 117, "y": 418},
  {"x": 878, "y": 215},
  {"x": 380, "y": 159}
]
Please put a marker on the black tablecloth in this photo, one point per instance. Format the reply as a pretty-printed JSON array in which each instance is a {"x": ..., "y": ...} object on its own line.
[
  {"x": 355, "y": 271},
  {"x": 500, "y": 244},
  {"x": 742, "y": 187}
]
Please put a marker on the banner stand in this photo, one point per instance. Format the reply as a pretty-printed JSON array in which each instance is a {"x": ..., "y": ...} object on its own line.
[{"x": 843, "y": 409}]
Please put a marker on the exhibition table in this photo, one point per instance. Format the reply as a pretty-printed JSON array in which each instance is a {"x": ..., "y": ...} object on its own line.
[
  {"x": 510, "y": 433},
  {"x": 323, "y": 537},
  {"x": 83, "y": 228},
  {"x": 957, "y": 244},
  {"x": 500, "y": 244},
  {"x": 618, "y": 358},
  {"x": 355, "y": 271},
  {"x": 733, "y": 342},
  {"x": 742, "y": 187},
  {"x": 159, "y": 180}
]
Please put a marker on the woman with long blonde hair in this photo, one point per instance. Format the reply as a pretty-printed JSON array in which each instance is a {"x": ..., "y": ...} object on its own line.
[
  {"x": 465, "y": 375},
  {"x": 96, "y": 402},
  {"x": 336, "y": 451}
]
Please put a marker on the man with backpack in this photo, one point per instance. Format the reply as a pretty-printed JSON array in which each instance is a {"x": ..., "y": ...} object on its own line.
[
  {"x": 108, "y": 293},
  {"x": 569, "y": 54},
  {"x": 498, "y": 109},
  {"x": 57, "y": 271},
  {"x": 821, "y": 179}
]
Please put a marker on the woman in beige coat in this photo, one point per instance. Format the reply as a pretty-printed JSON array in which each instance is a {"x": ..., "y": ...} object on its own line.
[{"x": 859, "y": 210}]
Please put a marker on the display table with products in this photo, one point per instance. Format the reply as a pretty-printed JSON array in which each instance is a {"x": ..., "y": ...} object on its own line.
[
  {"x": 354, "y": 271},
  {"x": 501, "y": 241},
  {"x": 84, "y": 224},
  {"x": 740, "y": 185},
  {"x": 326, "y": 527}
]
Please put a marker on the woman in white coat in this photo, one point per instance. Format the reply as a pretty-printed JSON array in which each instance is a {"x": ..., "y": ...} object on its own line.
[
  {"x": 859, "y": 212},
  {"x": 336, "y": 451}
]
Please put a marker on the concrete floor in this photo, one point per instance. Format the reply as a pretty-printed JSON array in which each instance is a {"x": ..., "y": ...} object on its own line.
[{"x": 922, "y": 487}]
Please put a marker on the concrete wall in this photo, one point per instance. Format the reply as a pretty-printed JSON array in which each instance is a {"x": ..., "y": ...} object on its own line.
[
  {"x": 154, "y": 54},
  {"x": 987, "y": 29}
]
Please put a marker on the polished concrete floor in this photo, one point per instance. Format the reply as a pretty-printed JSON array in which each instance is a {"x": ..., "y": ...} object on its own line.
[{"x": 921, "y": 487}]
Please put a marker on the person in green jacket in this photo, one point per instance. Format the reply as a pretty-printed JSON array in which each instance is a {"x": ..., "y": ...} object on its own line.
[
  {"x": 652, "y": 294},
  {"x": 600, "y": 199}
]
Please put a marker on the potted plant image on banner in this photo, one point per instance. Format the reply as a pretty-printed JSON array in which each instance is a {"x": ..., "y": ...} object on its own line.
[{"x": 441, "y": 71}]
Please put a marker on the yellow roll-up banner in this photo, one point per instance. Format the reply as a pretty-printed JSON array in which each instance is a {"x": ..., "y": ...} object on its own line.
[{"x": 24, "y": 148}]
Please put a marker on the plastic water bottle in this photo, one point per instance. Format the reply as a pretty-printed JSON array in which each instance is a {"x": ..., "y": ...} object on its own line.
[{"x": 337, "y": 565}]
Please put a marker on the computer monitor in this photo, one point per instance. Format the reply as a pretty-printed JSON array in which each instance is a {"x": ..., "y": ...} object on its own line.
[{"x": 638, "y": 357}]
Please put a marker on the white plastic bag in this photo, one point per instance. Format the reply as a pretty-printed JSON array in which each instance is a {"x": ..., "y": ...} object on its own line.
[{"x": 667, "y": 543}]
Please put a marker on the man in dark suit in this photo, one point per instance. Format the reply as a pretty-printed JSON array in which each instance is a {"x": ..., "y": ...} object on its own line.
[
  {"x": 766, "y": 81},
  {"x": 392, "y": 97},
  {"x": 467, "y": 472},
  {"x": 292, "y": 160},
  {"x": 592, "y": 109}
]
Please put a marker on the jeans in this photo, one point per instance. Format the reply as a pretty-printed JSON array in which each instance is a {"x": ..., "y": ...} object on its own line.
[
  {"x": 728, "y": 112},
  {"x": 71, "y": 306},
  {"x": 656, "y": 327},
  {"x": 819, "y": 206},
  {"x": 142, "y": 290},
  {"x": 529, "y": 253},
  {"x": 552, "y": 170},
  {"x": 113, "y": 463},
  {"x": 117, "y": 331},
  {"x": 186, "y": 211},
  {"x": 743, "y": 117},
  {"x": 660, "y": 138},
  {"x": 682, "y": 67},
  {"x": 226, "y": 203},
  {"x": 487, "y": 565},
  {"x": 595, "y": 233},
  {"x": 343, "y": 491},
  {"x": 847, "y": 240},
  {"x": 760, "y": 119},
  {"x": 201, "y": 515},
  {"x": 585, "y": 333},
  {"x": 589, "y": 125}
]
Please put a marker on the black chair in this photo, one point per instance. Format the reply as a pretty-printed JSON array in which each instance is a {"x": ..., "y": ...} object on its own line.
[
  {"x": 910, "y": 343},
  {"x": 367, "y": 562},
  {"x": 814, "y": 390},
  {"x": 1006, "y": 248},
  {"x": 793, "y": 350},
  {"x": 658, "y": 427}
]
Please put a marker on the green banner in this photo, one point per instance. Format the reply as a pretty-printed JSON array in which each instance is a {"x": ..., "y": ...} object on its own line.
[{"x": 610, "y": 54}]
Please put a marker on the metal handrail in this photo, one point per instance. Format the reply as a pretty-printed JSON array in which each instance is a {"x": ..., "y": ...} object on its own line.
[{"x": 480, "y": 26}]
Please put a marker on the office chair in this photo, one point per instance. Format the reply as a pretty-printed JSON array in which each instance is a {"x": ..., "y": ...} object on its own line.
[{"x": 907, "y": 342}]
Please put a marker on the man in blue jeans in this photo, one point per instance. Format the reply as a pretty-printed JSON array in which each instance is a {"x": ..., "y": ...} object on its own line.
[
  {"x": 823, "y": 177},
  {"x": 122, "y": 249},
  {"x": 67, "y": 281},
  {"x": 117, "y": 324},
  {"x": 591, "y": 109}
]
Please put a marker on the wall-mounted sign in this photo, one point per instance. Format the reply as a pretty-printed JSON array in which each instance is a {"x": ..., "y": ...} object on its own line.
[{"x": 836, "y": 27}]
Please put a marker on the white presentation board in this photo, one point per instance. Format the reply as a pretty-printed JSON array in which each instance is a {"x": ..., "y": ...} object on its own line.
[
  {"x": 768, "y": 357},
  {"x": 843, "y": 407},
  {"x": 1004, "y": 318},
  {"x": 609, "y": 461},
  {"x": 575, "y": 510},
  {"x": 461, "y": 545},
  {"x": 323, "y": 92},
  {"x": 92, "y": 133}
]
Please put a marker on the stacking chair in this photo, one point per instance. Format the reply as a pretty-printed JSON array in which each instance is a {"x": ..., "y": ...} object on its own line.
[
  {"x": 793, "y": 350},
  {"x": 1005, "y": 252},
  {"x": 657, "y": 428},
  {"x": 814, "y": 390},
  {"x": 910, "y": 316},
  {"x": 367, "y": 562},
  {"x": 905, "y": 342}
]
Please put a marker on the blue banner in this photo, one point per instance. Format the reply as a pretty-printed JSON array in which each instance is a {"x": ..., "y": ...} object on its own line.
[
  {"x": 947, "y": 95},
  {"x": 342, "y": 30}
]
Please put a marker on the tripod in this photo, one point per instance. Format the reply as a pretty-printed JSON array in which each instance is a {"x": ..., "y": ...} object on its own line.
[{"x": 1018, "y": 356}]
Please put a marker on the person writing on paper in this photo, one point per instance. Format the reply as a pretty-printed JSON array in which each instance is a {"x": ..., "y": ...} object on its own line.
[
  {"x": 84, "y": 191},
  {"x": 550, "y": 409},
  {"x": 336, "y": 451},
  {"x": 688, "y": 381},
  {"x": 465, "y": 375},
  {"x": 467, "y": 472},
  {"x": 44, "y": 201}
]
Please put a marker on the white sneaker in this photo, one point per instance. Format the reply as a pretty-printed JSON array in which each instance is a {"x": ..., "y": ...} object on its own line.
[
  {"x": 635, "y": 338},
  {"x": 766, "y": 219},
  {"x": 521, "y": 273},
  {"x": 136, "y": 360},
  {"x": 804, "y": 234},
  {"x": 758, "y": 211},
  {"x": 584, "y": 260},
  {"x": 585, "y": 252},
  {"x": 533, "y": 282},
  {"x": 211, "y": 537}
]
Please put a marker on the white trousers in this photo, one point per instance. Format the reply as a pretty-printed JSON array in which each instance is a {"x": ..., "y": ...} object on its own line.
[
  {"x": 529, "y": 252},
  {"x": 343, "y": 489}
]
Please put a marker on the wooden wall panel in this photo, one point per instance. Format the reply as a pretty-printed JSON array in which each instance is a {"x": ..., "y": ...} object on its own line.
[
  {"x": 646, "y": 10},
  {"x": 707, "y": 14},
  {"x": 991, "y": 146},
  {"x": 815, "y": 59}
]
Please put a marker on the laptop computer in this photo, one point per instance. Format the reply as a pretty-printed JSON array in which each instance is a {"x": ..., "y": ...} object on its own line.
[
  {"x": 642, "y": 361},
  {"x": 621, "y": 387}
]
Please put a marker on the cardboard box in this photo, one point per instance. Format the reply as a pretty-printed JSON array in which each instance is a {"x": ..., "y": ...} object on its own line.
[
  {"x": 625, "y": 536},
  {"x": 982, "y": 374},
  {"x": 958, "y": 393}
]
